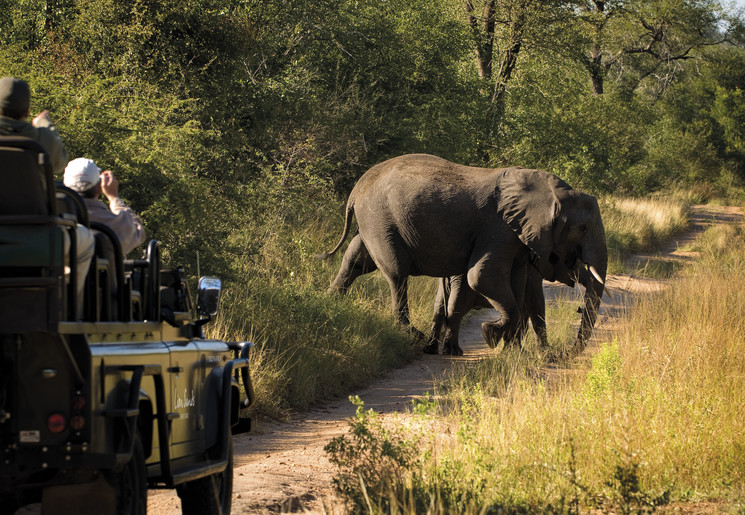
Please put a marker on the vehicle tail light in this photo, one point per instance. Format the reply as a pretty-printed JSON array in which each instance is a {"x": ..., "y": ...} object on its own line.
[
  {"x": 77, "y": 422},
  {"x": 56, "y": 423},
  {"x": 78, "y": 403}
]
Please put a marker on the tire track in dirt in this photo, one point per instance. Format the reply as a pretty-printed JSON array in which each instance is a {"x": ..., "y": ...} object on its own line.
[{"x": 281, "y": 467}]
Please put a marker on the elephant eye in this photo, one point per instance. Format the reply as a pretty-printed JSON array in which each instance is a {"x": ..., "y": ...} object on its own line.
[{"x": 583, "y": 228}]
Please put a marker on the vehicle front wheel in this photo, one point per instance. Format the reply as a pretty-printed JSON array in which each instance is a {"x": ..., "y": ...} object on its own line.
[{"x": 211, "y": 495}]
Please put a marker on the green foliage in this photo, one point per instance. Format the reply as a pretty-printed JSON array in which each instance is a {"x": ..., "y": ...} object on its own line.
[
  {"x": 375, "y": 461},
  {"x": 602, "y": 379},
  {"x": 729, "y": 111},
  {"x": 584, "y": 140}
]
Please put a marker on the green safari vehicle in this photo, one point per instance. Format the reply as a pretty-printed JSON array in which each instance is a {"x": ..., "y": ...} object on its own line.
[{"x": 98, "y": 406}]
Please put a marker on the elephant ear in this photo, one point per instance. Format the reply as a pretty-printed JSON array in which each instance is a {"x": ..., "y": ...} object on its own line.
[{"x": 529, "y": 203}]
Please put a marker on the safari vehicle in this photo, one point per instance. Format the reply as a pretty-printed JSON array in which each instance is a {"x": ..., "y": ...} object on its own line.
[{"x": 97, "y": 406}]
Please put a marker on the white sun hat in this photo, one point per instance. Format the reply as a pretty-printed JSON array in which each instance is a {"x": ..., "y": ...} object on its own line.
[{"x": 82, "y": 174}]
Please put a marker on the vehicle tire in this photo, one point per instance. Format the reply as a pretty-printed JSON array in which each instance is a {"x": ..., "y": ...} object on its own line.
[
  {"x": 131, "y": 483},
  {"x": 211, "y": 495},
  {"x": 9, "y": 504}
]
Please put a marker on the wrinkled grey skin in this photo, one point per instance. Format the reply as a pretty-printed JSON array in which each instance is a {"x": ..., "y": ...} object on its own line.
[
  {"x": 455, "y": 299},
  {"x": 422, "y": 215}
]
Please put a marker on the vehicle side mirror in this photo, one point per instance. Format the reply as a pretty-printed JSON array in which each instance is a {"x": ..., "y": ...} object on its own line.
[{"x": 208, "y": 298}]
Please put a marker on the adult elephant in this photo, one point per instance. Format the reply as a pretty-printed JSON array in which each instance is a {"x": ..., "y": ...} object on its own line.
[{"x": 419, "y": 214}]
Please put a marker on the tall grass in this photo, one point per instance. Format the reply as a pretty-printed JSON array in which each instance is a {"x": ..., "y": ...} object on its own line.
[
  {"x": 655, "y": 417},
  {"x": 310, "y": 346},
  {"x": 640, "y": 224}
]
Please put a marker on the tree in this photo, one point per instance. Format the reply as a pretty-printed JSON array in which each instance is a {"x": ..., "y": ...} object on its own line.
[
  {"x": 498, "y": 33},
  {"x": 639, "y": 39}
]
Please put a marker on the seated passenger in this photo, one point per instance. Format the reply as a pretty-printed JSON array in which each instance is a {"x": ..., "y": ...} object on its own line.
[
  {"x": 85, "y": 177},
  {"x": 15, "y": 105}
]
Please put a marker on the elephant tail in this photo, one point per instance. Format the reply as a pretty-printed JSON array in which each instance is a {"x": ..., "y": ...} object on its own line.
[{"x": 345, "y": 233}]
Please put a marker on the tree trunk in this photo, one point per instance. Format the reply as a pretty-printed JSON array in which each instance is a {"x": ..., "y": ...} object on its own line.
[
  {"x": 507, "y": 64},
  {"x": 483, "y": 37},
  {"x": 597, "y": 74}
]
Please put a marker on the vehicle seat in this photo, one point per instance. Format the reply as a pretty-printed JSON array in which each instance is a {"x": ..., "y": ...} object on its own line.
[
  {"x": 174, "y": 295},
  {"x": 32, "y": 288},
  {"x": 28, "y": 174}
]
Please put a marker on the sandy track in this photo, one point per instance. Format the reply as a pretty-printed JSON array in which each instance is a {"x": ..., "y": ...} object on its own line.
[{"x": 282, "y": 468}]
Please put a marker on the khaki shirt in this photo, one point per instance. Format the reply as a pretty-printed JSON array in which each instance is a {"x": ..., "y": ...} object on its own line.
[
  {"x": 46, "y": 135},
  {"x": 121, "y": 219}
]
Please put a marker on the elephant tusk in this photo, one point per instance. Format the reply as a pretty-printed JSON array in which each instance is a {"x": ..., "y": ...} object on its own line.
[
  {"x": 607, "y": 292},
  {"x": 596, "y": 275}
]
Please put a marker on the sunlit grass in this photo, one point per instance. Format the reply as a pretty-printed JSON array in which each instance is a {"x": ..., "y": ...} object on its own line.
[
  {"x": 639, "y": 224},
  {"x": 310, "y": 346}
]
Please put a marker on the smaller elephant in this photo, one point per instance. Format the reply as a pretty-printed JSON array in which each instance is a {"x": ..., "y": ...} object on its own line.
[{"x": 455, "y": 299}]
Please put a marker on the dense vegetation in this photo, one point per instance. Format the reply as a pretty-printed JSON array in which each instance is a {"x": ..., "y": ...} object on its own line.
[{"x": 237, "y": 127}]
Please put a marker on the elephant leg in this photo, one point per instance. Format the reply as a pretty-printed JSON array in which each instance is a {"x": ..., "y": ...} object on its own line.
[
  {"x": 522, "y": 326},
  {"x": 518, "y": 280},
  {"x": 439, "y": 317},
  {"x": 491, "y": 277},
  {"x": 535, "y": 304},
  {"x": 399, "y": 293},
  {"x": 356, "y": 262},
  {"x": 462, "y": 300}
]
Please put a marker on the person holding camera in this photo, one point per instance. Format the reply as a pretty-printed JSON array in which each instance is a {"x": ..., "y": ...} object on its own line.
[
  {"x": 86, "y": 178},
  {"x": 15, "y": 106}
]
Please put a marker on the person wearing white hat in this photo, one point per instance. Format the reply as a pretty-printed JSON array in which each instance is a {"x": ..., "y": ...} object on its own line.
[{"x": 84, "y": 176}]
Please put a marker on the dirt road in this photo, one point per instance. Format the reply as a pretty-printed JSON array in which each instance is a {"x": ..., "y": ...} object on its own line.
[{"x": 282, "y": 468}]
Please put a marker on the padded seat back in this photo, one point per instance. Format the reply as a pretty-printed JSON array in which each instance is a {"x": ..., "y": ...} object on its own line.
[
  {"x": 32, "y": 240},
  {"x": 26, "y": 177}
]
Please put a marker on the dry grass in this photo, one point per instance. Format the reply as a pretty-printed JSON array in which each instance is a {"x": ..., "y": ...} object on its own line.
[
  {"x": 639, "y": 224},
  {"x": 657, "y": 416}
]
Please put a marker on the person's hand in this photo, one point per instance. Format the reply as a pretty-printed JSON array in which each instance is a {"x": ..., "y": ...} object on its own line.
[
  {"x": 109, "y": 184},
  {"x": 41, "y": 119}
]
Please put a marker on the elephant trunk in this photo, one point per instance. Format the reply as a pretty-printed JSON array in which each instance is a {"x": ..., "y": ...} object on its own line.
[{"x": 593, "y": 279}]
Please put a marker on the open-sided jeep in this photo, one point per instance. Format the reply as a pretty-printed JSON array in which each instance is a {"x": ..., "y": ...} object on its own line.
[{"x": 97, "y": 406}]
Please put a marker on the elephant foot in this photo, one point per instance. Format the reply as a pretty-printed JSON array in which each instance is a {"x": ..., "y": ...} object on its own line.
[
  {"x": 452, "y": 350},
  {"x": 492, "y": 333},
  {"x": 432, "y": 348},
  {"x": 512, "y": 338}
]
